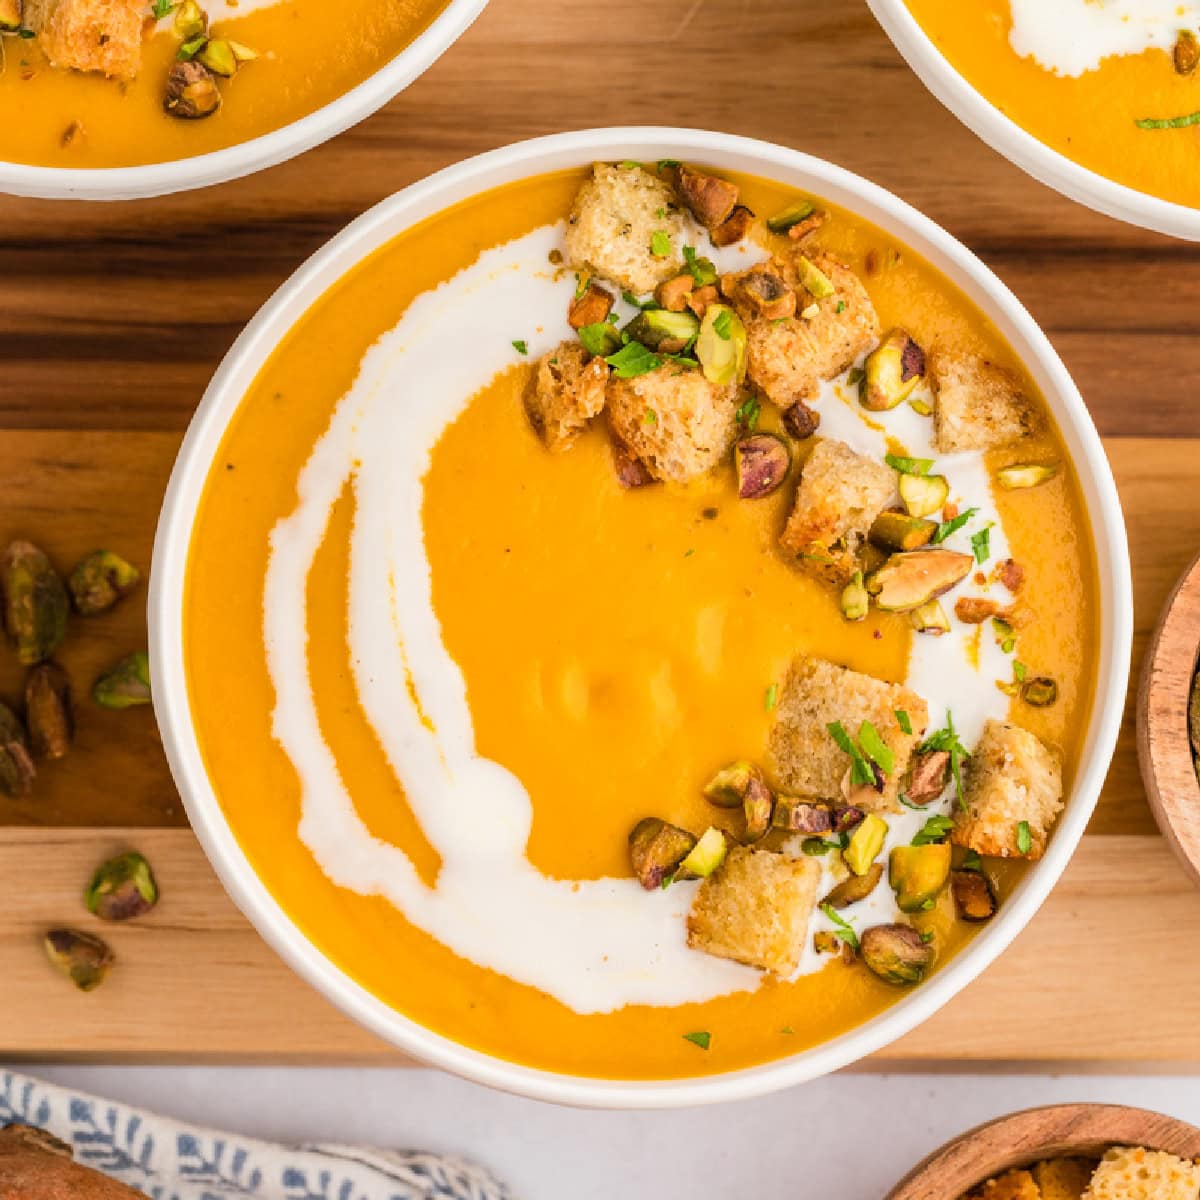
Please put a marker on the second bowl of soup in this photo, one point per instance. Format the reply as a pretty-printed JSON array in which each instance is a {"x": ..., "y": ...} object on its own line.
[{"x": 641, "y": 617}]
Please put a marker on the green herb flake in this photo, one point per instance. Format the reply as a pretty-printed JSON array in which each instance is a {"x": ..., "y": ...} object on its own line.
[
  {"x": 771, "y": 697},
  {"x": 874, "y": 747},
  {"x": 702, "y": 270},
  {"x": 816, "y": 847},
  {"x": 903, "y": 720},
  {"x": 788, "y": 1030},
  {"x": 162, "y": 8},
  {"x": 520, "y": 347},
  {"x": 927, "y": 936},
  {"x": 600, "y": 339},
  {"x": 583, "y": 281},
  {"x": 26, "y": 34},
  {"x": 629, "y": 165},
  {"x": 1169, "y": 122},
  {"x": 946, "y": 528},
  {"x": 633, "y": 360},
  {"x": 908, "y": 466},
  {"x": 1024, "y": 838},
  {"x": 936, "y": 829},
  {"x": 981, "y": 544},
  {"x": 723, "y": 324},
  {"x": 972, "y": 861},
  {"x": 660, "y": 244},
  {"x": 1020, "y": 670},
  {"x": 860, "y": 769},
  {"x": 668, "y": 163},
  {"x": 701, "y": 1038},
  {"x": 688, "y": 553},
  {"x": 747, "y": 414},
  {"x": 841, "y": 307},
  {"x": 843, "y": 929},
  {"x": 634, "y": 302},
  {"x": 189, "y": 50}
]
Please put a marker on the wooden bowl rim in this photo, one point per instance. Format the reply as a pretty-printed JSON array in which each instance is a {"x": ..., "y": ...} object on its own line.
[
  {"x": 1164, "y": 744},
  {"x": 1023, "y": 1138}
]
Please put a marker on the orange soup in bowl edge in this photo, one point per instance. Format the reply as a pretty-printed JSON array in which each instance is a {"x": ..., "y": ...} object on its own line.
[
  {"x": 575, "y": 699},
  {"x": 1112, "y": 86}
]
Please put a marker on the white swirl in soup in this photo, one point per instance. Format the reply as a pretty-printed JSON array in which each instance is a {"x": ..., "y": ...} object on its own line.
[{"x": 580, "y": 676}]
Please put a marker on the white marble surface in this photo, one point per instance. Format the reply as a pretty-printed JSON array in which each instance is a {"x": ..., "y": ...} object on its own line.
[{"x": 845, "y": 1138}]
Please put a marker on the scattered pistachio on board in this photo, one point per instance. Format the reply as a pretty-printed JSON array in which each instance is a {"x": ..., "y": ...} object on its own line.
[
  {"x": 126, "y": 684},
  {"x": 35, "y": 602},
  {"x": 84, "y": 959},
  {"x": 48, "y": 710},
  {"x": 16, "y": 765},
  {"x": 100, "y": 580},
  {"x": 122, "y": 888}
]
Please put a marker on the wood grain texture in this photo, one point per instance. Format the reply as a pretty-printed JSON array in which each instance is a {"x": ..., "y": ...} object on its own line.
[
  {"x": 1164, "y": 741},
  {"x": 1063, "y": 1130},
  {"x": 116, "y": 314},
  {"x": 194, "y": 982}
]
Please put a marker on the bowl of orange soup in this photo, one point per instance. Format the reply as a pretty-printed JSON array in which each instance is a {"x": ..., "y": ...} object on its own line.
[
  {"x": 1099, "y": 99},
  {"x": 641, "y": 617},
  {"x": 127, "y": 98}
]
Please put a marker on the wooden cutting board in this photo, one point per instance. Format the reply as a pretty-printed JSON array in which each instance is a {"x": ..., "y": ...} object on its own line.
[{"x": 116, "y": 315}]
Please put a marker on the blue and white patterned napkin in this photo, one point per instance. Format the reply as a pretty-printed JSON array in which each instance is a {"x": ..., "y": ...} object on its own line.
[{"x": 171, "y": 1161}]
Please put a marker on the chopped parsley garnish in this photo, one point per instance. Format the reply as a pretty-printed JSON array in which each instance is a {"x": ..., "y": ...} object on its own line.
[
  {"x": 771, "y": 697},
  {"x": 816, "y": 847},
  {"x": 908, "y": 466},
  {"x": 747, "y": 414},
  {"x": 874, "y": 748},
  {"x": 651, "y": 417},
  {"x": 600, "y": 339},
  {"x": 843, "y": 929},
  {"x": 1169, "y": 122},
  {"x": 162, "y": 8},
  {"x": 660, "y": 213},
  {"x": 981, "y": 544},
  {"x": 860, "y": 769},
  {"x": 702, "y": 270},
  {"x": 903, "y": 721},
  {"x": 629, "y": 165},
  {"x": 664, "y": 163},
  {"x": 701, "y": 1038},
  {"x": 644, "y": 305},
  {"x": 189, "y": 50},
  {"x": 723, "y": 324},
  {"x": 927, "y": 936},
  {"x": 1024, "y": 838},
  {"x": 936, "y": 829},
  {"x": 946, "y": 528},
  {"x": 841, "y": 306},
  {"x": 1020, "y": 670},
  {"x": 660, "y": 244},
  {"x": 633, "y": 360},
  {"x": 583, "y": 281},
  {"x": 972, "y": 861},
  {"x": 520, "y": 347},
  {"x": 25, "y": 34},
  {"x": 947, "y": 739}
]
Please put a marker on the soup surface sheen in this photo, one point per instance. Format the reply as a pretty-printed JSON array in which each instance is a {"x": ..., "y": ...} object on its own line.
[
  {"x": 1079, "y": 75},
  {"x": 75, "y": 119},
  {"x": 465, "y": 667}
]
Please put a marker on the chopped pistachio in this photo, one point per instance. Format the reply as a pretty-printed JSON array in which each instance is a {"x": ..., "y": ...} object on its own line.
[
  {"x": 896, "y": 531},
  {"x": 1186, "y": 54},
  {"x": 663, "y": 331},
  {"x": 758, "y": 806},
  {"x": 126, "y": 684},
  {"x": 48, "y": 710},
  {"x": 656, "y": 848},
  {"x": 192, "y": 92},
  {"x": 893, "y": 370},
  {"x": 727, "y": 788},
  {"x": 762, "y": 461},
  {"x": 973, "y": 895},
  {"x": 35, "y": 603},
  {"x": 1040, "y": 692},
  {"x": 122, "y": 888},
  {"x": 82, "y": 958},
  {"x": 931, "y": 618},
  {"x": 100, "y": 580},
  {"x": 909, "y": 580},
  {"x": 191, "y": 21},
  {"x": 242, "y": 54},
  {"x": 1026, "y": 475},
  {"x": 855, "y": 599},
  {"x": 815, "y": 281},
  {"x": 217, "y": 55},
  {"x": 865, "y": 843},
  {"x": 801, "y": 814},
  {"x": 721, "y": 345},
  {"x": 783, "y": 220},
  {"x": 918, "y": 873},
  {"x": 16, "y": 766},
  {"x": 705, "y": 856},
  {"x": 896, "y": 953},
  {"x": 854, "y": 888},
  {"x": 923, "y": 495}
]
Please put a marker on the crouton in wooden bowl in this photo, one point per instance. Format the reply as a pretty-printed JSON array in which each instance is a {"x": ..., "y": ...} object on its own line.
[
  {"x": 1169, "y": 721},
  {"x": 1063, "y": 1152}
]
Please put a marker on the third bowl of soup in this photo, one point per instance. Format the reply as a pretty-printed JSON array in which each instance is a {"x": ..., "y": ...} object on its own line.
[{"x": 641, "y": 617}]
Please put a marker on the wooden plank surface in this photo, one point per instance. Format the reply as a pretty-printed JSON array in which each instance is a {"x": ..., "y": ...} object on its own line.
[{"x": 116, "y": 315}]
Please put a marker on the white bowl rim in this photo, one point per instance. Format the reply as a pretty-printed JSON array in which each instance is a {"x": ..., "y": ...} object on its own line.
[
  {"x": 1020, "y": 147},
  {"x": 267, "y": 150},
  {"x": 172, "y": 541}
]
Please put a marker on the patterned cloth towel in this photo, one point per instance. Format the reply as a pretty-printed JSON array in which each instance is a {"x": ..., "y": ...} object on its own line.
[{"x": 170, "y": 1161}]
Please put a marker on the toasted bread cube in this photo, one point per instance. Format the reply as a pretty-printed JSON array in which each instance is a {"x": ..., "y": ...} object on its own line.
[
  {"x": 802, "y": 754},
  {"x": 1063, "y": 1178},
  {"x": 1125, "y": 1174},
  {"x": 566, "y": 391},
  {"x": 90, "y": 35},
  {"x": 789, "y": 359},
  {"x": 1010, "y": 778},
  {"x": 755, "y": 909},
  {"x": 612, "y": 226},
  {"x": 1012, "y": 1185},
  {"x": 977, "y": 405},
  {"x": 840, "y": 495},
  {"x": 673, "y": 420}
]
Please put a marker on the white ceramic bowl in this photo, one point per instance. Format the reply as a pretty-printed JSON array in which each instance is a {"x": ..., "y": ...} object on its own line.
[
  {"x": 414, "y": 204},
  {"x": 1022, "y": 148},
  {"x": 181, "y": 175}
]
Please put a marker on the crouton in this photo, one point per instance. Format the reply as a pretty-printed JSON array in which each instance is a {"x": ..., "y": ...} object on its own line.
[
  {"x": 1011, "y": 780},
  {"x": 564, "y": 394},
  {"x": 673, "y": 420},
  {"x": 840, "y": 495},
  {"x": 977, "y": 405},
  {"x": 1063, "y": 1178},
  {"x": 612, "y": 227},
  {"x": 755, "y": 909},
  {"x": 1012, "y": 1185},
  {"x": 789, "y": 359},
  {"x": 90, "y": 35},
  {"x": 1125, "y": 1174},
  {"x": 802, "y": 755}
]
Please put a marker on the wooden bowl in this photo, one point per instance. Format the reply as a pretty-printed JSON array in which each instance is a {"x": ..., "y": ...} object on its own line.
[
  {"x": 1164, "y": 748},
  {"x": 1063, "y": 1130}
]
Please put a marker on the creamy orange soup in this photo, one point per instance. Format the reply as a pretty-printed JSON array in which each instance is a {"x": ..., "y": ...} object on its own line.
[
  {"x": 72, "y": 118},
  {"x": 1093, "y": 81},
  {"x": 616, "y": 648}
]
